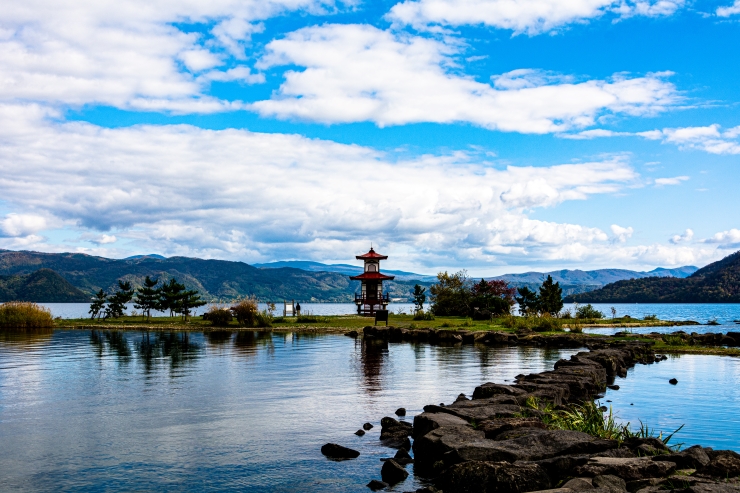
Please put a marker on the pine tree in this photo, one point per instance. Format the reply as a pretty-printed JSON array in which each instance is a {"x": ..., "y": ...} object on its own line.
[
  {"x": 148, "y": 297},
  {"x": 529, "y": 301},
  {"x": 551, "y": 297},
  {"x": 96, "y": 307},
  {"x": 419, "y": 298},
  {"x": 117, "y": 302},
  {"x": 188, "y": 301},
  {"x": 171, "y": 296}
]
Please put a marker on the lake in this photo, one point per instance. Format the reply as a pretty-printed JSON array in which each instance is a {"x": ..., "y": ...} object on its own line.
[{"x": 118, "y": 411}]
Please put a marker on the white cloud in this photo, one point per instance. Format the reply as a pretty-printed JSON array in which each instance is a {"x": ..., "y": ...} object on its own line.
[
  {"x": 676, "y": 180},
  {"x": 522, "y": 16},
  {"x": 728, "y": 11},
  {"x": 709, "y": 139},
  {"x": 360, "y": 73},
  {"x": 621, "y": 235},
  {"x": 684, "y": 238},
  {"x": 726, "y": 239},
  {"x": 237, "y": 194},
  {"x": 21, "y": 225},
  {"x": 126, "y": 54}
]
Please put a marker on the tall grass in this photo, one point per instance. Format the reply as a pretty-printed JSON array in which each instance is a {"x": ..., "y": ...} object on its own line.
[{"x": 24, "y": 315}]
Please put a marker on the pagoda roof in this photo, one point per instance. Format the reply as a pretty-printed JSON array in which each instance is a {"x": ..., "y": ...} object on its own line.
[
  {"x": 371, "y": 255},
  {"x": 372, "y": 276}
]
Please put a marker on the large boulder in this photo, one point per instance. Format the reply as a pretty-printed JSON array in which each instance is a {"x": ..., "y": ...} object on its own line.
[
  {"x": 338, "y": 452},
  {"x": 490, "y": 389},
  {"x": 692, "y": 458},
  {"x": 494, "y": 427},
  {"x": 629, "y": 469},
  {"x": 722, "y": 466},
  {"x": 426, "y": 422},
  {"x": 395, "y": 433},
  {"x": 392, "y": 472},
  {"x": 498, "y": 477}
]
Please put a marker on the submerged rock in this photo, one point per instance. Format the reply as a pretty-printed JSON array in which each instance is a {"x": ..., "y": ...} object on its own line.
[
  {"x": 336, "y": 451},
  {"x": 376, "y": 485},
  {"x": 673, "y": 381},
  {"x": 401, "y": 411},
  {"x": 367, "y": 426},
  {"x": 359, "y": 433}
]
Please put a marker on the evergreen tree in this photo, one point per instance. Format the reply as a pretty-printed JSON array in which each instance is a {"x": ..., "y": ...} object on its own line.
[
  {"x": 529, "y": 301},
  {"x": 188, "y": 301},
  {"x": 96, "y": 307},
  {"x": 419, "y": 298},
  {"x": 117, "y": 302},
  {"x": 147, "y": 297},
  {"x": 551, "y": 297},
  {"x": 171, "y": 296}
]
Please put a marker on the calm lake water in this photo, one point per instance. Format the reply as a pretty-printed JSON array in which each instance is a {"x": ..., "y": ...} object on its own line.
[{"x": 113, "y": 411}]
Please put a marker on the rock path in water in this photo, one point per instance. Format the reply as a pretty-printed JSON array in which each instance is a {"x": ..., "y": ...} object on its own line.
[{"x": 486, "y": 444}]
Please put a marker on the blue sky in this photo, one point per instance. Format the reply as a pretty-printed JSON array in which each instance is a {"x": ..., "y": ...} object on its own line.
[{"x": 492, "y": 135}]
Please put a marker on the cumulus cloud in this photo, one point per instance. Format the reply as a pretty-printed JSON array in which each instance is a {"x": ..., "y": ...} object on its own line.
[
  {"x": 522, "y": 16},
  {"x": 728, "y": 11},
  {"x": 129, "y": 55},
  {"x": 361, "y": 73},
  {"x": 684, "y": 238},
  {"x": 621, "y": 235},
  {"x": 709, "y": 139},
  {"x": 21, "y": 225},
  {"x": 238, "y": 194},
  {"x": 725, "y": 239}
]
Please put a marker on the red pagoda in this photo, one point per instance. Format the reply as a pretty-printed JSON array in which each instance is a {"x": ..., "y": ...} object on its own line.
[{"x": 371, "y": 298}]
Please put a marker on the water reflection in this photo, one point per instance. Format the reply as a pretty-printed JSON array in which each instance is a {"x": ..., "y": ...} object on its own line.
[
  {"x": 25, "y": 339},
  {"x": 247, "y": 342},
  {"x": 373, "y": 353},
  {"x": 175, "y": 347},
  {"x": 218, "y": 337}
]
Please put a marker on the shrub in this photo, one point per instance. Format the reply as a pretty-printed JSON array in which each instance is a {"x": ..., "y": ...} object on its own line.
[
  {"x": 263, "y": 319},
  {"x": 23, "y": 315},
  {"x": 219, "y": 316},
  {"x": 650, "y": 317},
  {"x": 588, "y": 311},
  {"x": 245, "y": 311},
  {"x": 421, "y": 315},
  {"x": 674, "y": 340},
  {"x": 278, "y": 320},
  {"x": 546, "y": 323}
]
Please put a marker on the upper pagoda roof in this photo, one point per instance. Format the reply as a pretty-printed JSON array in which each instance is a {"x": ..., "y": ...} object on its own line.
[
  {"x": 372, "y": 276},
  {"x": 371, "y": 255}
]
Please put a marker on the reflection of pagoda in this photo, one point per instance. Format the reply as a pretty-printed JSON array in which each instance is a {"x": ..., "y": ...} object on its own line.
[{"x": 371, "y": 298}]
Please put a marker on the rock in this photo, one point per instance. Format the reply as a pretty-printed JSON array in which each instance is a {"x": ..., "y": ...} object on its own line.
[
  {"x": 499, "y": 477},
  {"x": 714, "y": 488},
  {"x": 392, "y": 472},
  {"x": 639, "y": 484},
  {"x": 351, "y": 333},
  {"x": 335, "y": 451},
  {"x": 461, "y": 397},
  {"x": 359, "y": 433},
  {"x": 401, "y": 411},
  {"x": 629, "y": 469},
  {"x": 721, "y": 466},
  {"x": 610, "y": 483},
  {"x": 376, "y": 485},
  {"x": 621, "y": 452},
  {"x": 426, "y": 422},
  {"x": 494, "y": 427},
  {"x": 613, "y": 387},
  {"x": 692, "y": 458},
  {"x": 490, "y": 389},
  {"x": 367, "y": 426},
  {"x": 579, "y": 484},
  {"x": 394, "y": 433},
  {"x": 634, "y": 444},
  {"x": 673, "y": 381},
  {"x": 403, "y": 457}
]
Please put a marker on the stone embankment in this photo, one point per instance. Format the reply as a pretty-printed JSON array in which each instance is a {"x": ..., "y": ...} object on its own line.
[{"x": 497, "y": 441}]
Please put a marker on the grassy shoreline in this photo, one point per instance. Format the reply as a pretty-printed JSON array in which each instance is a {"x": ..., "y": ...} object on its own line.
[{"x": 340, "y": 324}]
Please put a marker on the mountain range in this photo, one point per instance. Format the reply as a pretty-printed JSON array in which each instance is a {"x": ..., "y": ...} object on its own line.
[
  {"x": 718, "y": 282},
  {"x": 71, "y": 277}
]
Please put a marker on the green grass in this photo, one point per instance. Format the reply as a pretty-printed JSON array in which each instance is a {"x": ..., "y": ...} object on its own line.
[{"x": 16, "y": 315}]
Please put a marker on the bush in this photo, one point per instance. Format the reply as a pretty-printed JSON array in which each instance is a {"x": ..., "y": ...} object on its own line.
[
  {"x": 23, "y": 315},
  {"x": 546, "y": 323},
  {"x": 219, "y": 316},
  {"x": 263, "y": 319},
  {"x": 588, "y": 311},
  {"x": 421, "y": 315},
  {"x": 650, "y": 317},
  {"x": 245, "y": 311}
]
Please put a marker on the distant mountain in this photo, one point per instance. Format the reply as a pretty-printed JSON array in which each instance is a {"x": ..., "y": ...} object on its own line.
[
  {"x": 152, "y": 255},
  {"x": 718, "y": 282},
  {"x": 579, "y": 281},
  {"x": 213, "y": 278},
  {"x": 43, "y": 285},
  {"x": 350, "y": 270}
]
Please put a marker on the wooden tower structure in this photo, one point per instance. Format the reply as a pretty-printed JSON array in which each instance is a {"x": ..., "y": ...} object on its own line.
[{"x": 371, "y": 297}]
